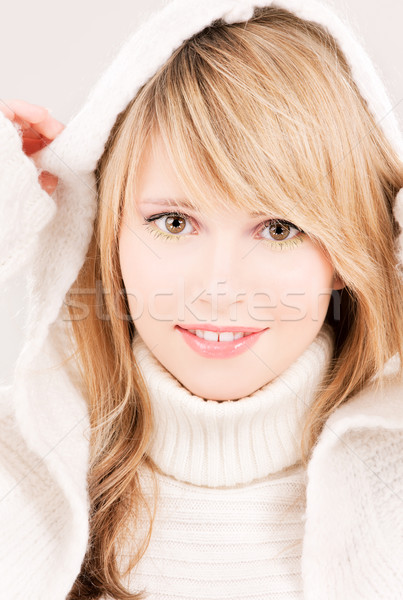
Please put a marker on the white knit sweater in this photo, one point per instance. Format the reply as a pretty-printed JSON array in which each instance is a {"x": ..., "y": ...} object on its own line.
[
  {"x": 231, "y": 503},
  {"x": 352, "y": 546},
  {"x": 241, "y": 542}
]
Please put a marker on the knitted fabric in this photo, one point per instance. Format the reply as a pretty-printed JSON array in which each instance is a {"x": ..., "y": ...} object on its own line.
[
  {"x": 231, "y": 501},
  {"x": 352, "y": 543}
]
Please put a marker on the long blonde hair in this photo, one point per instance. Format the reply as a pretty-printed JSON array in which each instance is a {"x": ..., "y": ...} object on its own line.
[{"x": 267, "y": 112}]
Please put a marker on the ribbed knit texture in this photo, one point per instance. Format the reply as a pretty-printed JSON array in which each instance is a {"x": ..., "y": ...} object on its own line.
[{"x": 231, "y": 501}]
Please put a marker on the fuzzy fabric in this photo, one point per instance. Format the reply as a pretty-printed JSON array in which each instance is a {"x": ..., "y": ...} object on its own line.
[{"x": 353, "y": 543}]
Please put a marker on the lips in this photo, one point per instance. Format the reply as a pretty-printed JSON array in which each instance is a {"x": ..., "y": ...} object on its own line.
[
  {"x": 221, "y": 329},
  {"x": 217, "y": 349}
]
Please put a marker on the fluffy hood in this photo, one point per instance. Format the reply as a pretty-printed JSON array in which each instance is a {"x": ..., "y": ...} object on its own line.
[{"x": 56, "y": 230}]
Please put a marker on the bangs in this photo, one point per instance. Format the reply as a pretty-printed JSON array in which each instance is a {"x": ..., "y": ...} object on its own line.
[{"x": 239, "y": 132}]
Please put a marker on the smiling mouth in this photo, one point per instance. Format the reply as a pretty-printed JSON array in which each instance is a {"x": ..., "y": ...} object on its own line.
[
  {"x": 221, "y": 336},
  {"x": 219, "y": 344},
  {"x": 214, "y": 336}
]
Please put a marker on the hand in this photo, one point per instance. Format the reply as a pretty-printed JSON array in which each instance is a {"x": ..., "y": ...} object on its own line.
[{"x": 38, "y": 129}]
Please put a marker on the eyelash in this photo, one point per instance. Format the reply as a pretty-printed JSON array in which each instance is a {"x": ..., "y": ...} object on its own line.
[{"x": 277, "y": 245}]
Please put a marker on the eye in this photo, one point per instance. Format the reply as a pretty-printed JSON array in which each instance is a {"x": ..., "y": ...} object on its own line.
[
  {"x": 174, "y": 222},
  {"x": 178, "y": 225},
  {"x": 280, "y": 232},
  {"x": 280, "y": 229}
]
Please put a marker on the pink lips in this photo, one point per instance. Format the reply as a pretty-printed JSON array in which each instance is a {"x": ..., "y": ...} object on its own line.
[
  {"x": 220, "y": 349},
  {"x": 221, "y": 329}
]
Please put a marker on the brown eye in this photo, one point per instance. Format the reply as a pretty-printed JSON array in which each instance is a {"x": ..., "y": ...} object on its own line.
[
  {"x": 171, "y": 225},
  {"x": 175, "y": 224},
  {"x": 279, "y": 230}
]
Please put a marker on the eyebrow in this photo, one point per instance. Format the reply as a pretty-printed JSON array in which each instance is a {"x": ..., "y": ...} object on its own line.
[
  {"x": 167, "y": 202},
  {"x": 182, "y": 202}
]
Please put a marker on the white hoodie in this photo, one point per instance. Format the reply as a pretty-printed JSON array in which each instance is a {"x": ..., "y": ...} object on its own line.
[{"x": 353, "y": 538}]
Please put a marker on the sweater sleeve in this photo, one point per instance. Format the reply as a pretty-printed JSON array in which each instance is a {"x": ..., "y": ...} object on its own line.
[
  {"x": 25, "y": 207},
  {"x": 381, "y": 453},
  {"x": 35, "y": 518},
  {"x": 353, "y": 544}
]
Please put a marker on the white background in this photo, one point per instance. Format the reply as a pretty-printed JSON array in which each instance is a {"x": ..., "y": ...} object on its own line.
[{"x": 53, "y": 52}]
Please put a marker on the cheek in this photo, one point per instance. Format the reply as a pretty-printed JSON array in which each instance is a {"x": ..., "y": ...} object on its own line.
[
  {"x": 299, "y": 286},
  {"x": 151, "y": 285}
]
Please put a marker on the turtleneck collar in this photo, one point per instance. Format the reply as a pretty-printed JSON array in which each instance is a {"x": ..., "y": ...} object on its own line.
[{"x": 224, "y": 444}]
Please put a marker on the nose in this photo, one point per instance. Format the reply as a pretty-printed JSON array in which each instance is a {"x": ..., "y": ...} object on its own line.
[{"x": 218, "y": 277}]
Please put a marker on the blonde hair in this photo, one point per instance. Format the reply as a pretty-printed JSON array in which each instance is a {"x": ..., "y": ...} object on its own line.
[{"x": 267, "y": 115}]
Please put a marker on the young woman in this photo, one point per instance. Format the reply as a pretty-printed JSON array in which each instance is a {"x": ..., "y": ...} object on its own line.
[{"x": 209, "y": 400}]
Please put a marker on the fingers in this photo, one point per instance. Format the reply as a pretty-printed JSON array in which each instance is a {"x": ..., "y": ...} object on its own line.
[
  {"x": 31, "y": 145},
  {"x": 26, "y": 111},
  {"x": 49, "y": 127},
  {"x": 48, "y": 181},
  {"x": 7, "y": 111},
  {"x": 38, "y": 129},
  {"x": 34, "y": 120}
]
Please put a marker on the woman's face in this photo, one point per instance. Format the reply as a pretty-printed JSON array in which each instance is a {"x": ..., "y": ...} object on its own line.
[{"x": 229, "y": 270}]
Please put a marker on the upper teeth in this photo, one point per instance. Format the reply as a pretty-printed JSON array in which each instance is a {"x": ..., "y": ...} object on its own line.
[{"x": 214, "y": 336}]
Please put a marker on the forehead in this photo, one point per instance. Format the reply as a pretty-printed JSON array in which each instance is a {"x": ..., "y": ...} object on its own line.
[{"x": 158, "y": 186}]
